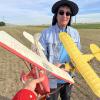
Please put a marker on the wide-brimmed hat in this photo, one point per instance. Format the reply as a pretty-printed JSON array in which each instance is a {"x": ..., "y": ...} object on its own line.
[{"x": 73, "y": 6}]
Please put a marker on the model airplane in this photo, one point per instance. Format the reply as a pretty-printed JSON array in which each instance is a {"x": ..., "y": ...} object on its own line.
[
  {"x": 81, "y": 61},
  {"x": 12, "y": 45}
]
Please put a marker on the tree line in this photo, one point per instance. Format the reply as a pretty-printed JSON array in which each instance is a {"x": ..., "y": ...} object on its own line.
[{"x": 2, "y": 23}]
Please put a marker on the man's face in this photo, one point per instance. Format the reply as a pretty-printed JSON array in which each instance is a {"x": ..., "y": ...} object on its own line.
[{"x": 63, "y": 16}]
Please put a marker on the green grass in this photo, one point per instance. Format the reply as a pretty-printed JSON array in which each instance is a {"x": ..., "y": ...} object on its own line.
[
  {"x": 78, "y": 26},
  {"x": 87, "y": 26}
]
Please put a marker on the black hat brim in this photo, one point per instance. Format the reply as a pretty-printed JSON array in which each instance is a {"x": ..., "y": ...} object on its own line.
[{"x": 73, "y": 6}]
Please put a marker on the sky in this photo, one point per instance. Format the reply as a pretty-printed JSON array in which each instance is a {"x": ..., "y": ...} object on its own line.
[{"x": 37, "y": 12}]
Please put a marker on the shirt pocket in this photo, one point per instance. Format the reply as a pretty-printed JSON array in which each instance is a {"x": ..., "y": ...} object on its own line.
[
  {"x": 54, "y": 51},
  {"x": 54, "y": 48}
]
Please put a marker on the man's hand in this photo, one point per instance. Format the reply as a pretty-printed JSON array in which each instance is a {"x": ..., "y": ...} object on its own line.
[{"x": 31, "y": 85}]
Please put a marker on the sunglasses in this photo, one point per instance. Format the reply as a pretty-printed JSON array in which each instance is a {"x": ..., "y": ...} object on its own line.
[{"x": 62, "y": 13}]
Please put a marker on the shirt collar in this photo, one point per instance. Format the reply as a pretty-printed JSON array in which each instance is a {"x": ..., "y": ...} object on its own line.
[{"x": 61, "y": 29}]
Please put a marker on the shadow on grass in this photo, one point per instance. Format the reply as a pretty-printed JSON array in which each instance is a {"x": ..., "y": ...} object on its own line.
[{"x": 4, "y": 98}]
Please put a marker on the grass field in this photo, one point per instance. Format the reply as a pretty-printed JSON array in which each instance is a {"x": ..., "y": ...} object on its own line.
[
  {"x": 87, "y": 26},
  {"x": 10, "y": 65}
]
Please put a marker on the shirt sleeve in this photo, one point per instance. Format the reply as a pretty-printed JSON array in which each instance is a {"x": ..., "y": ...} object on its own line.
[{"x": 24, "y": 94}]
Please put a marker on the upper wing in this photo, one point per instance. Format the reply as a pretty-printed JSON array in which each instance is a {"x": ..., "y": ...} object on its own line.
[{"x": 11, "y": 44}]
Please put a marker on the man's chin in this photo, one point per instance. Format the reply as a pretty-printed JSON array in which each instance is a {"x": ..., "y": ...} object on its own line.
[{"x": 64, "y": 25}]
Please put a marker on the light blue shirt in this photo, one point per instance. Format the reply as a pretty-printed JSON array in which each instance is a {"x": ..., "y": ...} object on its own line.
[{"x": 54, "y": 49}]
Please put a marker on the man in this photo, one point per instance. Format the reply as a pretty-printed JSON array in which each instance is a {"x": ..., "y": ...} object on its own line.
[{"x": 63, "y": 10}]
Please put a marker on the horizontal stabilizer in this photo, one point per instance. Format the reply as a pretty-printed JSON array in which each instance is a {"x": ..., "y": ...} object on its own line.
[
  {"x": 31, "y": 39},
  {"x": 36, "y": 43},
  {"x": 88, "y": 57},
  {"x": 95, "y": 51}
]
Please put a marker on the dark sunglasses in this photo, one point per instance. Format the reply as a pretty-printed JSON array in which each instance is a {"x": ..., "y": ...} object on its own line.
[{"x": 62, "y": 13}]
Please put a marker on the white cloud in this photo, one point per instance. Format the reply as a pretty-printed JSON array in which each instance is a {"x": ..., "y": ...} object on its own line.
[{"x": 88, "y": 18}]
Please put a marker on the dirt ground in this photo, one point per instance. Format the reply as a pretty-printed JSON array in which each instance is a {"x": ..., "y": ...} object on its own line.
[{"x": 11, "y": 66}]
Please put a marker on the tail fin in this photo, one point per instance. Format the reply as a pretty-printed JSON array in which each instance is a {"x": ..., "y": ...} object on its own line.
[{"x": 95, "y": 51}]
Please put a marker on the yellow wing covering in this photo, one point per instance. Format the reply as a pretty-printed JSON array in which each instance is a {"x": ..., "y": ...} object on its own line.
[
  {"x": 95, "y": 51},
  {"x": 69, "y": 68},
  {"x": 88, "y": 57},
  {"x": 81, "y": 64}
]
